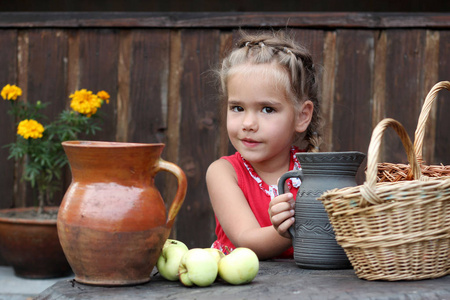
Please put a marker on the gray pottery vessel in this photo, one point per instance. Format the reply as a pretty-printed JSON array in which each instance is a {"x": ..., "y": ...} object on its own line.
[{"x": 313, "y": 238}]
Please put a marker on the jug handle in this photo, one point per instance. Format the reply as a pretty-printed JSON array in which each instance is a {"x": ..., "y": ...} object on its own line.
[
  {"x": 282, "y": 181},
  {"x": 178, "y": 200}
]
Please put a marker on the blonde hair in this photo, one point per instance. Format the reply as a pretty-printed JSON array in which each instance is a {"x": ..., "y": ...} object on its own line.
[{"x": 295, "y": 61}]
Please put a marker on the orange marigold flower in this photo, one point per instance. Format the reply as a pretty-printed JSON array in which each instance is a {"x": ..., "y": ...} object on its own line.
[
  {"x": 84, "y": 102},
  {"x": 30, "y": 129},
  {"x": 11, "y": 92},
  {"x": 104, "y": 96}
]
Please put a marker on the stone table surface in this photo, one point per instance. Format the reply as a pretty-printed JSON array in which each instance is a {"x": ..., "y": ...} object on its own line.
[{"x": 275, "y": 280}]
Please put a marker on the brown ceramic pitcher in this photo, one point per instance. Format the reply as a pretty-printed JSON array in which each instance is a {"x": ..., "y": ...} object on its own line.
[{"x": 112, "y": 222}]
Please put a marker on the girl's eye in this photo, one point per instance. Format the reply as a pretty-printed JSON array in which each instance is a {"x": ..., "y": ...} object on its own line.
[
  {"x": 268, "y": 110},
  {"x": 236, "y": 108}
]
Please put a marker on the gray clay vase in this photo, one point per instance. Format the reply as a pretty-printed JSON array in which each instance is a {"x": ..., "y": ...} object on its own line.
[{"x": 313, "y": 238}]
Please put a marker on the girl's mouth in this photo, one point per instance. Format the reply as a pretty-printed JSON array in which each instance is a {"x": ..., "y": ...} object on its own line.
[{"x": 250, "y": 143}]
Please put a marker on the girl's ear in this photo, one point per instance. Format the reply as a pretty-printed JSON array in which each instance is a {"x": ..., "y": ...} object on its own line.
[{"x": 304, "y": 116}]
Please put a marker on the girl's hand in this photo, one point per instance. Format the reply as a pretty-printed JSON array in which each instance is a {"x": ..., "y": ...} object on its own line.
[{"x": 281, "y": 212}]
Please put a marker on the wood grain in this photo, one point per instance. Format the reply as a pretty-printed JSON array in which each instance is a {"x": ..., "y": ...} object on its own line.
[
  {"x": 223, "y": 19},
  {"x": 98, "y": 65},
  {"x": 200, "y": 49},
  {"x": 156, "y": 67},
  {"x": 404, "y": 81},
  {"x": 328, "y": 88},
  {"x": 123, "y": 92},
  {"x": 430, "y": 78},
  {"x": 47, "y": 52},
  {"x": 8, "y": 61},
  {"x": 442, "y": 143},
  {"x": 352, "y": 109}
]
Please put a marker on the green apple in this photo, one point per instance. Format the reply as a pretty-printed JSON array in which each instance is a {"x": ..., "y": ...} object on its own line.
[
  {"x": 216, "y": 253},
  {"x": 169, "y": 259},
  {"x": 239, "y": 267},
  {"x": 174, "y": 242},
  {"x": 198, "y": 267}
]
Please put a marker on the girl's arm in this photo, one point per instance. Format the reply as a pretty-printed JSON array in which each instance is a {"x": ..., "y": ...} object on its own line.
[{"x": 235, "y": 216}]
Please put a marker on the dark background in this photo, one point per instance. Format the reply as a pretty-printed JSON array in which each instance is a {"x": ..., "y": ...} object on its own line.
[{"x": 226, "y": 5}]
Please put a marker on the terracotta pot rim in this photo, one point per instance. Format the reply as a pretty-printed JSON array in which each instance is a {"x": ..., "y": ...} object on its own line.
[
  {"x": 27, "y": 221},
  {"x": 106, "y": 144}
]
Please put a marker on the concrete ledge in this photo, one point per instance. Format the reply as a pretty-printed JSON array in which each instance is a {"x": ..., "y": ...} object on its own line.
[{"x": 17, "y": 288}]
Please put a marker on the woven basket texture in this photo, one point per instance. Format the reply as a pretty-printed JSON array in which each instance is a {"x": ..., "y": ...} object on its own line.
[
  {"x": 393, "y": 230},
  {"x": 390, "y": 172}
]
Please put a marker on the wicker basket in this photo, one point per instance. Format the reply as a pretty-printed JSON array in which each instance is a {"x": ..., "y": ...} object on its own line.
[
  {"x": 393, "y": 230},
  {"x": 389, "y": 172}
]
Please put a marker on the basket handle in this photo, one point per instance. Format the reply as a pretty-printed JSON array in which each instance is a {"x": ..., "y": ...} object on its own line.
[
  {"x": 423, "y": 117},
  {"x": 368, "y": 188}
]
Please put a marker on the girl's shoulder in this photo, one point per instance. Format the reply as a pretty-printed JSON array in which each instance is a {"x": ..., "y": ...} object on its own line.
[
  {"x": 220, "y": 174},
  {"x": 220, "y": 167},
  {"x": 226, "y": 161}
]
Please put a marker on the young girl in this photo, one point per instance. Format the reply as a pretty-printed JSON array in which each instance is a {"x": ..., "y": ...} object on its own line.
[{"x": 270, "y": 88}]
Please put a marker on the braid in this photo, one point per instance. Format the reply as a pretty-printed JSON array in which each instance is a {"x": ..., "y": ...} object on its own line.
[{"x": 294, "y": 59}]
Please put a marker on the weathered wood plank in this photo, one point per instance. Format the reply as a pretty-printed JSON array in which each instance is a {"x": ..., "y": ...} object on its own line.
[
  {"x": 172, "y": 149},
  {"x": 149, "y": 77},
  {"x": 73, "y": 62},
  {"x": 147, "y": 104},
  {"x": 200, "y": 51},
  {"x": 352, "y": 110},
  {"x": 20, "y": 187},
  {"x": 328, "y": 88},
  {"x": 8, "y": 75},
  {"x": 123, "y": 92},
  {"x": 430, "y": 78},
  {"x": 224, "y": 19},
  {"x": 224, "y": 145},
  {"x": 379, "y": 83},
  {"x": 313, "y": 40},
  {"x": 98, "y": 65},
  {"x": 47, "y": 62},
  {"x": 22, "y": 62},
  {"x": 442, "y": 143},
  {"x": 174, "y": 103},
  {"x": 404, "y": 81}
]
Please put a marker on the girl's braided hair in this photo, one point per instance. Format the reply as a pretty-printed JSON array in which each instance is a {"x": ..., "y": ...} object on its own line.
[{"x": 277, "y": 48}]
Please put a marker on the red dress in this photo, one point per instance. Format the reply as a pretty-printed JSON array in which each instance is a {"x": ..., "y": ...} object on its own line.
[{"x": 258, "y": 195}]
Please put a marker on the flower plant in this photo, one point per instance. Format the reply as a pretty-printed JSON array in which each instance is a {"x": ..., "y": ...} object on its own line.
[{"x": 39, "y": 146}]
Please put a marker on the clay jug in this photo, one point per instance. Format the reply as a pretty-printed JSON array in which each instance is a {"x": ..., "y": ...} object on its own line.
[
  {"x": 112, "y": 222},
  {"x": 313, "y": 238}
]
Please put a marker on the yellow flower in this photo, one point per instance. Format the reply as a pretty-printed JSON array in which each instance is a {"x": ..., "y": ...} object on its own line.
[
  {"x": 104, "y": 96},
  {"x": 30, "y": 129},
  {"x": 11, "y": 92},
  {"x": 84, "y": 102}
]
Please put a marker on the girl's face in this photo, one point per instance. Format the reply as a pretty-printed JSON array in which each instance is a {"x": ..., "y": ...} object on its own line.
[{"x": 261, "y": 119}]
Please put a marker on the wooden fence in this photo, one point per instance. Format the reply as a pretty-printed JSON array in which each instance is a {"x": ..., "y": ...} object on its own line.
[{"x": 157, "y": 69}]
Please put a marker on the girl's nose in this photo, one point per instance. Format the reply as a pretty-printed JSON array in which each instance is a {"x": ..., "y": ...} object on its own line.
[{"x": 249, "y": 123}]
